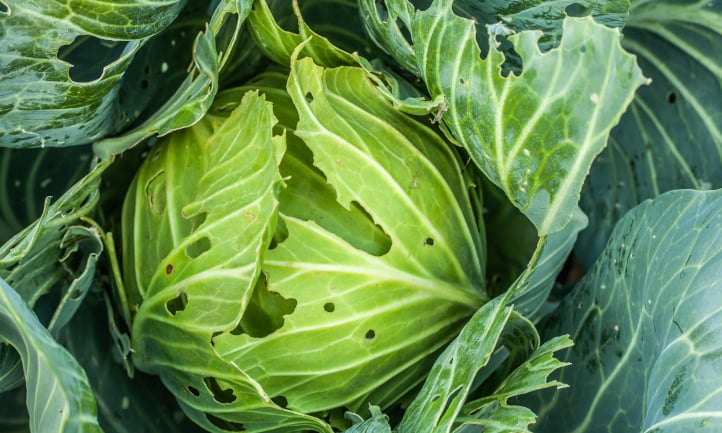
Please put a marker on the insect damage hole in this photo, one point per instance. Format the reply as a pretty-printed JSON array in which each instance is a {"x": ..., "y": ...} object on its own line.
[
  {"x": 309, "y": 97},
  {"x": 672, "y": 97},
  {"x": 329, "y": 307},
  {"x": 429, "y": 242},
  {"x": 280, "y": 401},
  {"x": 370, "y": 335},
  {"x": 177, "y": 304},
  {"x": 219, "y": 394},
  {"x": 577, "y": 10},
  {"x": 193, "y": 390},
  {"x": 4, "y": 8},
  {"x": 88, "y": 56},
  {"x": 198, "y": 247}
]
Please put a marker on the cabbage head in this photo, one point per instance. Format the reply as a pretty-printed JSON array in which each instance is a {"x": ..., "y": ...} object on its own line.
[{"x": 304, "y": 250}]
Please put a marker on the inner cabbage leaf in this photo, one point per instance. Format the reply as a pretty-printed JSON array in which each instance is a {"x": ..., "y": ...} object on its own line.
[{"x": 380, "y": 255}]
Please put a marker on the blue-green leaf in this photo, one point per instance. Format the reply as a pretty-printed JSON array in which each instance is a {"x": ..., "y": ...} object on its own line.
[
  {"x": 671, "y": 137},
  {"x": 196, "y": 93},
  {"x": 647, "y": 325},
  {"x": 59, "y": 398},
  {"x": 47, "y": 101}
]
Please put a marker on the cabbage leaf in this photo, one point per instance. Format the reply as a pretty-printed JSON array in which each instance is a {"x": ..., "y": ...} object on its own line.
[
  {"x": 646, "y": 322},
  {"x": 671, "y": 136}
]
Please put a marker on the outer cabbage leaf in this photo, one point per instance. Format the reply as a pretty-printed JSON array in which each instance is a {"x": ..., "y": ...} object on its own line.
[
  {"x": 29, "y": 176},
  {"x": 125, "y": 405},
  {"x": 41, "y": 103},
  {"x": 202, "y": 192},
  {"x": 54, "y": 257},
  {"x": 441, "y": 405},
  {"x": 534, "y": 135},
  {"x": 59, "y": 398},
  {"x": 377, "y": 423},
  {"x": 387, "y": 21},
  {"x": 495, "y": 413},
  {"x": 279, "y": 44},
  {"x": 647, "y": 325},
  {"x": 671, "y": 137},
  {"x": 363, "y": 303},
  {"x": 195, "y": 94}
]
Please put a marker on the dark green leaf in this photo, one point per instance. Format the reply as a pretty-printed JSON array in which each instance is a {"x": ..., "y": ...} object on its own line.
[
  {"x": 194, "y": 96},
  {"x": 647, "y": 325},
  {"x": 29, "y": 176},
  {"x": 125, "y": 405},
  {"x": 59, "y": 398},
  {"x": 671, "y": 137},
  {"x": 54, "y": 94}
]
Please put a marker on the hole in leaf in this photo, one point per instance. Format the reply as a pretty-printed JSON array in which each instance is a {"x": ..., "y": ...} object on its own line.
[
  {"x": 404, "y": 31},
  {"x": 214, "y": 335},
  {"x": 329, "y": 307},
  {"x": 219, "y": 394},
  {"x": 193, "y": 390},
  {"x": 169, "y": 269},
  {"x": 265, "y": 311},
  {"x": 280, "y": 401},
  {"x": 672, "y": 97},
  {"x": 143, "y": 84},
  {"x": 370, "y": 335},
  {"x": 198, "y": 247},
  {"x": 429, "y": 242},
  {"x": 155, "y": 193},
  {"x": 177, "y": 304},
  {"x": 197, "y": 220},
  {"x": 224, "y": 424},
  {"x": 309, "y": 196},
  {"x": 4, "y": 8},
  {"x": 583, "y": 49},
  {"x": 309, "y": 97},
  {"x": 436, "y": 397},
  {"x": 578, "y": 10},
  {"x": 89, "y": 55},
  {"x": 452, "y": 397},
  {"x": 279, "y": 235}
]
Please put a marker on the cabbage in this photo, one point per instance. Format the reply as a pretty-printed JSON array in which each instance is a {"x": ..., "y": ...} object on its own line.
[{"x": 321, "y": 261}]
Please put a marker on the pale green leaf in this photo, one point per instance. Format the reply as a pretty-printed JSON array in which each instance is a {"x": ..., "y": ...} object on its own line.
[
  {"x": 647, "y": 325},
  {"x": 59, "y": 398},
  {"x": 361, "y": 298},
  {"x": 279, "y": 44},
  {"x": 449, "y": 382},
  {"x": 534, "y": 135},
  {"x": 204, "y": 191}
]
